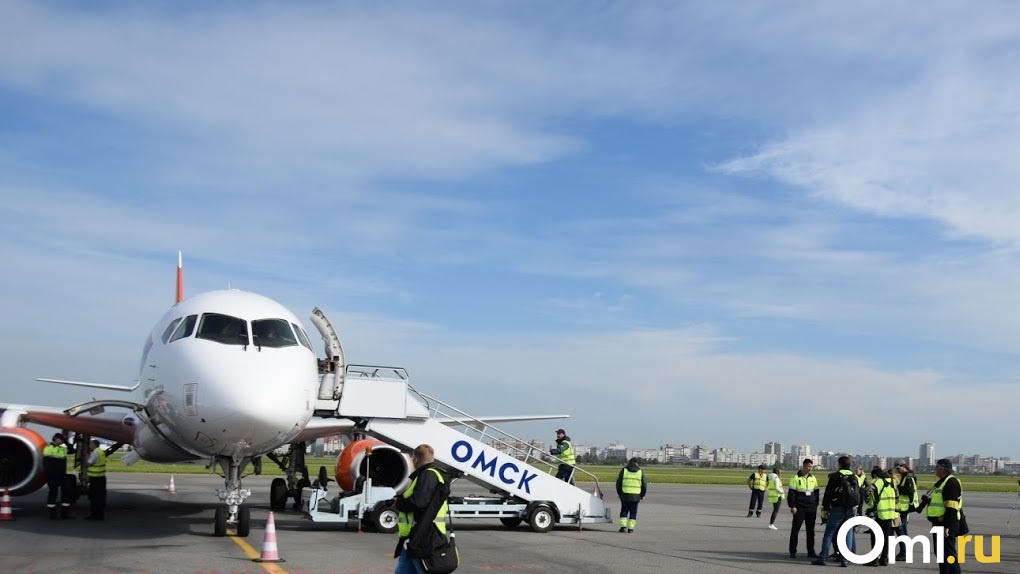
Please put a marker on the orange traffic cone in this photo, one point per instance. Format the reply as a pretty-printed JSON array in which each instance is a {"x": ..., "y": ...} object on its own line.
[
  {"x": 269, "y": 552},
  {"x": 5, "y": 506},
  {"x": 171, "y": 488}
]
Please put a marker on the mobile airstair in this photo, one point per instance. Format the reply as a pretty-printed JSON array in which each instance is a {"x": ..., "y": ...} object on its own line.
[{"x": 520, "y": 481}]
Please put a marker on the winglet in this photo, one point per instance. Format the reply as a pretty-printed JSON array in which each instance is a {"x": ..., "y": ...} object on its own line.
[{"x": 180, "y": 278}]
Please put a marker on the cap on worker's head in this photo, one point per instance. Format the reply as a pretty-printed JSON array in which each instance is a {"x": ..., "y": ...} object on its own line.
[
  {"x": 633, "y": 460},
  {"x": 761, "y": 467},
  {"x": 58, "y": 435},
  {"x": 945, "y": 463},
  {"x": 561, "y": 431}
]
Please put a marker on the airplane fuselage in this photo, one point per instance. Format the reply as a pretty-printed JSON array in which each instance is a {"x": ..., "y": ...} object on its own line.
[{"x": 225, "y": 373}]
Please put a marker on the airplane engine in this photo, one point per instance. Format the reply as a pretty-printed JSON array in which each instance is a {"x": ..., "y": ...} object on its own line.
[
  {"x": 21, "y": 460},
  {"x": 386, "y": 465}
]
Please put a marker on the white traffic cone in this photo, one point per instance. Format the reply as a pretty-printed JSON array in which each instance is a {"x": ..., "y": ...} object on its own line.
[
  {"x": 269, "y": 552},
  {"x": 5, "y": 506},
  {"x": 171, "y": 488}
]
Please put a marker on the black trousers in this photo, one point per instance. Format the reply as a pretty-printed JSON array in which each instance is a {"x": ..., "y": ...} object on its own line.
[
  {"x": 950, "y": 542},
  {"x": 807, "y": 518},
  {"x": 757, "y": 497},
  {"x": 97, "y": 496}
]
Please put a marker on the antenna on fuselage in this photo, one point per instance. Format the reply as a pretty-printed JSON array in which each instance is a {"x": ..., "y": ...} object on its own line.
[{"x": 180, "y": 277}]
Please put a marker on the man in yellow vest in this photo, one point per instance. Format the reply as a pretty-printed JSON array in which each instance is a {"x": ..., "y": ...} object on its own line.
[
  {"x": 882, "y": 507},
  {"x": 631, "y": 487},
  {"x": 411, "y": 505},
  {"x": 564, "y": 451},
  {"x": 97, "y": 481},
  {"x": 907, "y": 502},
  {"x": 758, "y": 483},
  {"x": 803, "y": 502},
  {"x": 55, "y": 465},
  {"x": 943, "y": 509}
]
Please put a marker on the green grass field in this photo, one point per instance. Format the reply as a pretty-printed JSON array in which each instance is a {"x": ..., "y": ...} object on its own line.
[{"x": 605, "y": 474}]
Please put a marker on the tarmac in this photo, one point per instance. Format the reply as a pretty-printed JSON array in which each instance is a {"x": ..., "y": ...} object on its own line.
[{"x": 681, "y": 529}]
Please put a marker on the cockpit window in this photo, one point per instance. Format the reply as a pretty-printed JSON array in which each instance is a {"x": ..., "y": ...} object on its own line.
[
  {"x": 223, "y": 329},
  {"x": 170, "y": 329},
  {"x": 301, "y": 335},
  {"x": 185, "y": 329},
  {"x": 272, "y": 333}
]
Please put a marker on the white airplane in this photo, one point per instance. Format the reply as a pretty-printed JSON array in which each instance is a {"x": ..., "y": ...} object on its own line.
[{"x": 226, "y": 377}]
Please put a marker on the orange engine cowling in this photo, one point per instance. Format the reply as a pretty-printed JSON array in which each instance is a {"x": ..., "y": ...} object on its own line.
[
  {"x": 385, "y": 464},
  {"x": 21, "y": 460}
]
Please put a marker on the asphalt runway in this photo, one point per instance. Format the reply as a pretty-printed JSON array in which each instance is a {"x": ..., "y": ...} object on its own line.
[{"x": 681, "y": 528}]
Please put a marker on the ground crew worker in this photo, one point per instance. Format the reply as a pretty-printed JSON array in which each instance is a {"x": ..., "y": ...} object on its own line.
[
  {"x": 775, "y": 495},
  {"x": 862, "y": 483},
  {"x": 564, "y": 451},
  {"x": 411, "y": 505},
  {"x": 97, "y": 481},
  {"x": 55, "y": 465},
  {"x": 631, "y": 487},
  {"x": 906, "y": 503},
  {"x": 882, "y": 506},
  {"x": 943, "y": 509},
  {"x": 838, "y": 509},
  {"x": 803, "y": 502},
  {"x": 758, "y": 483}
]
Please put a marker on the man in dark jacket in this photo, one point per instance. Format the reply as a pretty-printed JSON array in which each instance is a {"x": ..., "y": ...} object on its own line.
[
  {"x": 803, "y": 501},
  {"x": 838, "y": 510},
  {"x": 417, "y": 537},
  {"x": 943, "y": 507},
  {"x": 55, "y": 465},
  {"x": 564, "y": 451},
  {"x": 631, "y": 487}
]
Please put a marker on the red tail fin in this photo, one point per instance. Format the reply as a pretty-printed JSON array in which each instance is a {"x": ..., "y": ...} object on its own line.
[{"x": 180, "y": 278}]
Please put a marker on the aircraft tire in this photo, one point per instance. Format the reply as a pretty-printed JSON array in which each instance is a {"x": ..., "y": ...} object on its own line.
[
  {"x": 220, "y": 522},
  {"x": 243, "y": 521},
  {"x": 301, "y": 484},
  {"x": 278, "y": 494}
]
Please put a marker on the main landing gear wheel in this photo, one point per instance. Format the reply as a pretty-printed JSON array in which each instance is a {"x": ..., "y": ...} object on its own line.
[
  {"x": 243, "y": 521},
  {"x": 278, "y": 494},
  {"x": 220, "y": 523},
  {"x": 542, "y": 519},
  {"x": 301, "y": 484},
  {"x": 511, "y": 521},
  {"x": 383, "y": 519}
]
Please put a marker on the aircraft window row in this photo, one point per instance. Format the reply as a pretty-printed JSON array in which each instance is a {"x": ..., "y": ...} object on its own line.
[
  {"x": 186, "y": 328},
  {"x": 223, "y": 329},
  {"x": 170, "y": 329},
  {"x": 272, "y": 333}
]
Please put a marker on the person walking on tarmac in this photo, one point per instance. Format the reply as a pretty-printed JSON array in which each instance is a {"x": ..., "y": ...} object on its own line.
[
  {"x": 758, "y": 483},
  {"x": 943, "y": 508},
  {"x": 97, "y": 481},
  {"x": 906, "y": 503},
  {"x": 839, "y": 504},
  {"x": 862, "y": 482},
  {"x": 803, "y": 502},
  {"x": 564, "y": 451},
  {"x": 55, "y": 465},
  {"x": 411, "y": 505},
  {"x": 631, "y": 487},
  {"x": 775, "y": 495}
]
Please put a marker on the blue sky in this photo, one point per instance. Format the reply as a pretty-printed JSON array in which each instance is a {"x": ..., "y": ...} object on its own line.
[{"x": 677, "y": 222}]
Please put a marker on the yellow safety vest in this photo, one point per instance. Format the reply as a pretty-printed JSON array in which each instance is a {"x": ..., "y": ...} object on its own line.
[
  {"x": 904, "y": 503},
  {"x": 759, "y": 482},
  {"x": 54, "y": 451},
  {"x": 98, "y": 469},
  {"x": 776, "y": 490},
  {"x": 937, "y": 507},
  {"x": 804, "y": 484},
  {"x": 405, "y": 520},
  {"x": 631, "y": 483},
  {"x": 884, "y": 499},
  {"x": 567, "y": 456}
]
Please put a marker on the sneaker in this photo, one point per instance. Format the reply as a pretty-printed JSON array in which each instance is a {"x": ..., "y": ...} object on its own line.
[
  {"x": 758, "y": 514},
  {"x": 630, "y": 530},
  {"x": 772, "y": 527},
  {"x": 623, "y": 529},
  {"x": 750, "y": 513}
]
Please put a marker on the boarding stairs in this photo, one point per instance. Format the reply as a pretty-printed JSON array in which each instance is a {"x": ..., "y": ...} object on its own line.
[{"x": 391, "y": 410}]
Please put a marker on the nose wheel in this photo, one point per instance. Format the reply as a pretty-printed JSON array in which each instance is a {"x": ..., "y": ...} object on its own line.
[{"x": 233, "y": 497}]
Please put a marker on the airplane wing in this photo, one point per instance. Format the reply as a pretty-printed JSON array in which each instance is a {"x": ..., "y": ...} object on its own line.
[{"x": 108, "y": 425}]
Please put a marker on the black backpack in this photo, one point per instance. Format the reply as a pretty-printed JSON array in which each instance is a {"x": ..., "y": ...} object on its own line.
[{"x": 848, "y": 491}]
